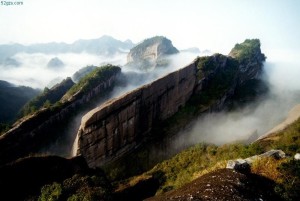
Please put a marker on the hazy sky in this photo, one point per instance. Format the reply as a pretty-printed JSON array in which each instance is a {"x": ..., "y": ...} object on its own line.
[{"x": 207, "y": 24}]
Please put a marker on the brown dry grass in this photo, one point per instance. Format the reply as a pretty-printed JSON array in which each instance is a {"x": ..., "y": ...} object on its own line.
[{"x": 267, "y": 167}]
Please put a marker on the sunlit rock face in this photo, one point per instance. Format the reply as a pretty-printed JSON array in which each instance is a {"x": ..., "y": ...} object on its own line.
[{"x": 151, "y": 53}]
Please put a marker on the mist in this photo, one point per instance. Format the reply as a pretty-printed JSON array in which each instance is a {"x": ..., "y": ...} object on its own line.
[
  {"x": 281, "y": 73},
  {"x": 34, "y": 72}
]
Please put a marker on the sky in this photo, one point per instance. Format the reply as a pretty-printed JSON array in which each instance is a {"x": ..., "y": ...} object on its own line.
[{"x": 207, "y": 24}]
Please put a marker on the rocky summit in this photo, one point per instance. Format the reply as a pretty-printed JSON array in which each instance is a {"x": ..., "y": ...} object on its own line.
[{"x": 151, "y": 53}]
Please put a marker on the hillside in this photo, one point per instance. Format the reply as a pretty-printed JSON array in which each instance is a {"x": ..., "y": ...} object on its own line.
[
  {"x": 194, "y": 168},
  {"x": 12, "y": 99},
  {"x": 48, "y": 97},
  {"x": 50, "y": 125},
  {"x": 130, "y": 126},
  {"x": 82, "y": 72},
  {"x": 197, "y": 173}
]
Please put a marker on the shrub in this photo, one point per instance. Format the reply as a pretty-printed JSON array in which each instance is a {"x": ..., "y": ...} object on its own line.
[
  {"x": 51, "y": 192},
  {"x": 92, "y": 79},
  {"x": 289, "y": 188}
]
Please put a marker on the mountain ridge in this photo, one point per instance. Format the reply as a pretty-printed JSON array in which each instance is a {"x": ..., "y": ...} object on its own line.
[
  {"x": 105, "y": 45},
  {"x": 118, "y": 126}
]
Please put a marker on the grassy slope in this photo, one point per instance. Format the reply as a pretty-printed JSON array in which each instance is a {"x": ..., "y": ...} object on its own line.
[{"x": 204, "y": 158}]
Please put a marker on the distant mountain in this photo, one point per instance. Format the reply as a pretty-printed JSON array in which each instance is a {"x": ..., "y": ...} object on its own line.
[
  {"x": 55, "y": 63},
  {"x": 12, "y": 99},
  {"x": 105, "y": 45},
  {"x": 151, "y": 53}
]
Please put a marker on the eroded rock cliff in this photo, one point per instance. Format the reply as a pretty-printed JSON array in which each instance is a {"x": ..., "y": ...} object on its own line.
[
  {"x": 120, "y": 125},
  {"x": 38, "y": 130}
]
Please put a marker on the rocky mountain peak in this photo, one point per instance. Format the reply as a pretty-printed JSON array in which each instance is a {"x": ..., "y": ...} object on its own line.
[{"x": 150, "y": 52}]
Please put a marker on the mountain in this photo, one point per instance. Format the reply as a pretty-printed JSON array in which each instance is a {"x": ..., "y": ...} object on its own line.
[
  {"x": 12, "y": 99},
  {"x": 49, "y": 124},
  {"x": 207, "y": 84},
  {"x": 117, "y": 135},
  {"x": 105, "y": 45},
  {"x": 151, "y": 53},
  {"x": 55, "y": 63}
]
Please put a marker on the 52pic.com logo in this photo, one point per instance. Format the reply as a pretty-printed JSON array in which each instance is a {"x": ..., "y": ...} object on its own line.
[{"x": 11, "y": 3}]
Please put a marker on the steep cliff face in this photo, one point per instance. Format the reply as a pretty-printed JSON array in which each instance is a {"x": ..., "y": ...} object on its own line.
[
  {"x": 33, "y": 132},
  {"x": 150, "y": 52},
  {"x": 250, "y": 59},
  {"x": 120, "y": 125}
]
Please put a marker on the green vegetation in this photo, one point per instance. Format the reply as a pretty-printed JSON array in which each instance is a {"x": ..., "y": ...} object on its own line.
[
  {"x": 12, "y": 99},
  {"x": 51, "y": 192},
  {"x": 82, "y": 72},
  {"x": 203, "y": 158},
  {"x": 92, "y": 79},
  {"x": 218, "y": 81},
  {"x": 246, "y": 51},
  {"x": 219, "y": 78},
  {"x": 4, "y": 127},
  {"x": 47, "y": 98},
  {"x": 289, "y": 187},
  {"x": 79, "y": 187}
]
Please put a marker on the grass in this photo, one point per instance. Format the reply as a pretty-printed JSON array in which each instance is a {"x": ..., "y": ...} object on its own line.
[
  {"x": 204, "y": 158},
  {"x": 245, "y": 51}
]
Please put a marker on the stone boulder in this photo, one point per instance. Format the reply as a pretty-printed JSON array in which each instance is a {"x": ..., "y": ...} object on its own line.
[
  {"x": 243, "y": 165},
  {"x": 239, "y": 165}
]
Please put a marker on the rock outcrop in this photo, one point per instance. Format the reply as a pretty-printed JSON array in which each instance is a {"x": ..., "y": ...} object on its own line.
[
  {"x": 36, "y": 131},
  {"x": 223, "y": 184},
  {"x": 243, "y": 165},
  {"x": 250, "y": 57},
  {"x": 150, "y": 53},
  {"x": 120, "y": 125}
]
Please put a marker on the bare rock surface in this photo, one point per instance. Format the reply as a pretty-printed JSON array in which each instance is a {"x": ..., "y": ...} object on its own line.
[{"x": 223, "y": 184}]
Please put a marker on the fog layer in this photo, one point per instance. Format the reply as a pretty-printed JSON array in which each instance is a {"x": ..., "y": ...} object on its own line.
[{"x": 33, "y": 70}]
